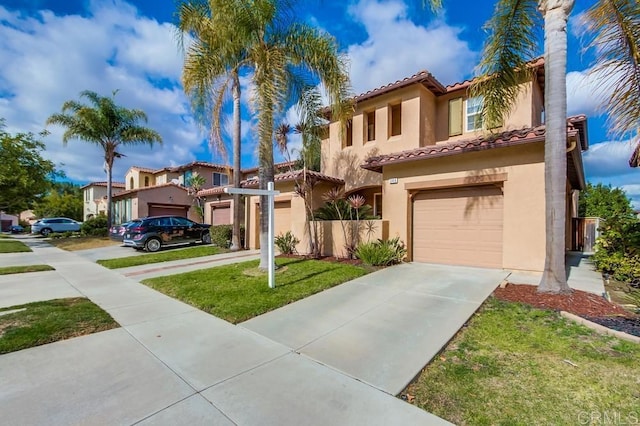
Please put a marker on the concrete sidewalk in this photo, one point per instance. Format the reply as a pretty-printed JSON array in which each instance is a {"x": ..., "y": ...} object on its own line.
[{"x": 173, "y": 364}]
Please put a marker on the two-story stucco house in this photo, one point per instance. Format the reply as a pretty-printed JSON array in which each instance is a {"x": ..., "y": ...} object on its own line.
[
  {"x": 454, "y": 191},
  {"x": 95, "y": 197}
]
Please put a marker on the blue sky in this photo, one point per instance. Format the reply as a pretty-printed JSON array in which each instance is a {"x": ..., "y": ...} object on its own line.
[{"x": 51, "y": 50}]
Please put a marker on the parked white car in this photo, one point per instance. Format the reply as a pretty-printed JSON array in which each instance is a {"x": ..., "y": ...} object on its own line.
[{"x": 55, "y": 224}]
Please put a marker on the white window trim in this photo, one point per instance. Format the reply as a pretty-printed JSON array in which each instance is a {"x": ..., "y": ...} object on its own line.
[{"x": 467, "y": 115}]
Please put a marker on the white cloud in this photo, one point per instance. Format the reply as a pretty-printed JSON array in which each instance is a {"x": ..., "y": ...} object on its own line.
[
  {"x": 48, "y": 59},
  {"x": 587, "y": 91},
  {"x": 608, "y": 159},
  {"x": 397, "y": 48}
]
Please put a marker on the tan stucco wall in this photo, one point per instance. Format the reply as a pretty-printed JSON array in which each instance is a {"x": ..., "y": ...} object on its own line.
[{"x": 523, "y": 227}]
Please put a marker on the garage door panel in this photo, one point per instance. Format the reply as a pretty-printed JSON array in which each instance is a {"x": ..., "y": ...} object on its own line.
[
  {"x": 158, "y": 210},
  {"x": 459, "y": 226}
]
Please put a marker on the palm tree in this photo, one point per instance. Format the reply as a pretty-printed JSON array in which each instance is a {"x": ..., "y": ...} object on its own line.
[
  {"x": 105, "y": 124},
  {"x": 512, "y": 42},
  {"x": 196, "y": 183},
  {"x": 212, "y": 64},
  {"x": 285, "y": 59}
]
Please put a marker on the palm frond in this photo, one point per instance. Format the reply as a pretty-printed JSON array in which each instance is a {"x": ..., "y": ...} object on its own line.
[
  {"x": 512, "y": 41},
  {"x": 614, "y": 30}
]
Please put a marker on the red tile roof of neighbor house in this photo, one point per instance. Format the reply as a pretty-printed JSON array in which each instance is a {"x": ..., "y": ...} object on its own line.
[
  {"x": 113, "y": 184},
  {"x": 509, "y": 138},
  {"x": 147, "y": 188},
  {"x": 281, "y": 177}
]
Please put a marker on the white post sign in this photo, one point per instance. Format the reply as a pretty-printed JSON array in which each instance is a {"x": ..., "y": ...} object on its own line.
[{"x": 270, "y": 192}]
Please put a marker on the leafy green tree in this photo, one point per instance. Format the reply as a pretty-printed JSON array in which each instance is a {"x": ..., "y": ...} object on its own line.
[
  {"x": 106, "y": 124},
  {"x": 25, "y": 176},
  {"x": 512, "y": 42},
  {"x": 286, "y": 60},
  {"x": 604, "y": 201},
  {"x": 64, "y": 199}
]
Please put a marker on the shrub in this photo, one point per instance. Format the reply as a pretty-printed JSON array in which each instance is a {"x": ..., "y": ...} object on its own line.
[
  {"x": 95, "y": 227},
  {"x": 382, "y": 252},
  {"x": 618, "y": 248},
  {"x": 286, "y": 243},
  {"x": 221, "y": 235}
]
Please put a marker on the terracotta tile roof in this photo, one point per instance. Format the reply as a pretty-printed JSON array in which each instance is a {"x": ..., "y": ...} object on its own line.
[
  {"x": 423, "y": 77},
  {"x": 147, "y": 188},
  {"x": 182, "y": 167},
  {"x": 143, "y": 169},
  {"x": 537, "y": 63},
  {"x": 212, "y": 191},
  {"x": 509, "y": 138},
  {"x": 113, "y": 184},
  {"x": 294, "y": 175},
  {"x": 278, "y": 166}
]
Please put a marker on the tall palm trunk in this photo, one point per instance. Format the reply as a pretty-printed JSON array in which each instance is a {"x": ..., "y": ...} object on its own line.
[
  {"x": 266, "y": 173},
  {"x": 109, "y": 161},
  {"x": 556, "y": 14},
  {"x": 237, "y": 204}
]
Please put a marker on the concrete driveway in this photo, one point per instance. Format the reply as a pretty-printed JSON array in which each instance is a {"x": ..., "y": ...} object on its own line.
[{"x": 382, "y": 328}]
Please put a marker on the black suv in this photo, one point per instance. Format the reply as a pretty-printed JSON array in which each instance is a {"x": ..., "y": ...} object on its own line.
[{"x": 151, "y": 233}]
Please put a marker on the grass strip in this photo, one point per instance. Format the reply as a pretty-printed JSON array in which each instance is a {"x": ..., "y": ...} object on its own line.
[
  {"x": 40, "y": 323},
  {"x": 239, "y": 291},
  {"x": 13, "y": 246},
  {"x": 82, "y": 243},
  {"x": 514, "y": 364},
  {"x": 6, "y": 270},
  {"x": 163, "y": 256}
]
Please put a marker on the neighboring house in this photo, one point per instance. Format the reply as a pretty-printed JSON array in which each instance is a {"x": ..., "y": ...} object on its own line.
[
  {"x": 152, "y": 192},
  {"x": 454, "y": 191},
  {"x": 95, "y": 197},
  {"x": 27, "y": 216},
  {"x": 7, "y": 221}
]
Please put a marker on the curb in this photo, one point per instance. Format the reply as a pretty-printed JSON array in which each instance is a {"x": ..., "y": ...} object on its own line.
[{"x": 600, "y": 328}]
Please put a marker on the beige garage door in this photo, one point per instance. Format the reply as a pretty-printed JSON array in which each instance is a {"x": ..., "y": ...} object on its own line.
[
  {"x": 282, "y": 220},
  {"x": 221, "y": 214},
  {"x": 460, "y": 226},
  {"x": 164, "y": 210}
]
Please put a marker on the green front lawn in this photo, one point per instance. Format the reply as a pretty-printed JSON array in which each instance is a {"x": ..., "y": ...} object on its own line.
[
  {"x": 162, "y": 256},
  {"x": 6, "y": 270},
  {"x": 46, "y": 322},
  {"x": 238, "y": 292},
  {"x": 518, "y": 365},
  {"x": 12, "y": 246}
]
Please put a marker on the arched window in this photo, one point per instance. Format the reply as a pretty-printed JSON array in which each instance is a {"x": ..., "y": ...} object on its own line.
[{"x": 131, "y": 183}]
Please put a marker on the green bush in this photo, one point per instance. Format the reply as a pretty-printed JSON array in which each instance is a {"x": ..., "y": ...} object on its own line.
[
  {"x": 382, "y": 252},
  {"x": 286, "y": 243},
  {"x": 221, "y": 235},
  {"x": 618, "y": 248},
  {"x": 95, "y": 227}
]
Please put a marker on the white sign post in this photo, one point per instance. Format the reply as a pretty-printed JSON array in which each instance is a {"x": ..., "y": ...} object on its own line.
[{"x": 270, "y": 192}]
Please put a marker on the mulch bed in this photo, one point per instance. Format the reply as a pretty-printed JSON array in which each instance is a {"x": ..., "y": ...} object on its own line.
[
  {"x": 587, "y": 305},
  {"x": 332, "y": 259}
]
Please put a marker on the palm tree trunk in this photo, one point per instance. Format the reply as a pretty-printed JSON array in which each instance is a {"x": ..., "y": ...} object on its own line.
[
  {"x": 556, "y": 14},
  {"x": 109, "y": 161},
  {"x": 266, "y": 173},
  {"x": 237, "y": 200}
]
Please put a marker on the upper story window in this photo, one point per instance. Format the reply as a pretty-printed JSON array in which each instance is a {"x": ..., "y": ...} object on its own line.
[
  {"x": 348, "y": 137},
  {"x": 86, "y": 194},
  {"x": 395, "y": 120},
  {"x": 220, "y": 179},
  {"x": 473, "y": 116},
  {"x": 370, "y": 126},
  {"x": 131, "y": 183},
  {"x": 186, "y": 177},
  {"x": 146, "y": 181}
]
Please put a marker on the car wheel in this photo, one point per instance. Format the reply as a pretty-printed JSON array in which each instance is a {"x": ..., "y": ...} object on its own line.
[
  {"x": 206, "y": 238},
  {"x": 45, "y": 232},
  {"x": 153, "y": 245}
]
